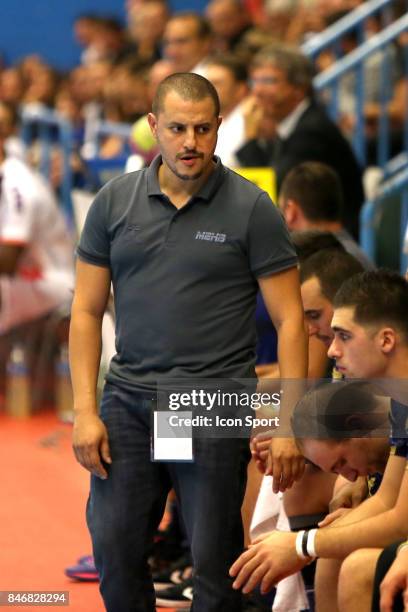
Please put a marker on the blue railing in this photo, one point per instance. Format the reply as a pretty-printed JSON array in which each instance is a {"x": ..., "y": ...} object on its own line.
[
  {"x": 50, "y": 130},
  {"x": 370, "y": 215},
  {"x": 352, "y": 21},
  {"x": 395, "y": 170},
  {"x": 330, "y": 39},
  {"x": 108, "y": 128},
  {"x": 354, "y": 61},
  {"x": 100, "y": 169}
]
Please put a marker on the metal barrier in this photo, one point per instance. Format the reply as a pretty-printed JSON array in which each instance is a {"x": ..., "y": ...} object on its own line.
[
  {"x": 50, "y": 130},
  {"x": 371, "y": 212},
  {"x": 355, "y": 19},
  {"x": 100, "y": 170},
  {"x": 107, "y": 128},
  {"x": 355, "y": 62},
  {"x": 396, "y": 169}
]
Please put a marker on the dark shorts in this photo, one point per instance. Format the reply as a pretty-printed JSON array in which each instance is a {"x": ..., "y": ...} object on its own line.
[{"x": 384, "y": 563}]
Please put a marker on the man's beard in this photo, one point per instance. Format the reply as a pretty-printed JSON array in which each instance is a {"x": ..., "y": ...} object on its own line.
[{"x": 188, "y": 177}]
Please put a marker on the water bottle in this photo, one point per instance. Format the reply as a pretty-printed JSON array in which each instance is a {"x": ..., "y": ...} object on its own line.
[
  {"x": 18, "y": 387},
  {"x": 63, "y": 391}
]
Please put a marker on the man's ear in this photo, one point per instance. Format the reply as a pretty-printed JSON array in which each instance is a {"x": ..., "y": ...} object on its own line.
[
  {"x": 290, "y": 211},
  {"x": 387, "y": 339},
  {"x": 354, "y": 423},
  {"x": 152, "y": 123}
]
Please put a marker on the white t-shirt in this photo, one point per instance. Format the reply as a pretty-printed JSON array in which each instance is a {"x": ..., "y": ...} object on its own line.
[
  {"x": 29, "y": 216},
  {"x": 231, "y": 137}
]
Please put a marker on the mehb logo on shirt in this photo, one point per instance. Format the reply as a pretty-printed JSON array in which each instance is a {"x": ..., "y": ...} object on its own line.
[{"x": 210, "y": 236}]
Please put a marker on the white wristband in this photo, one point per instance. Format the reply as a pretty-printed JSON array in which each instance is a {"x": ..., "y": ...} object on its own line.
[
  {"x": 299, "y": 544},
  {"x": 311, "y": 550},
  {"x": 299, "y": 537}
]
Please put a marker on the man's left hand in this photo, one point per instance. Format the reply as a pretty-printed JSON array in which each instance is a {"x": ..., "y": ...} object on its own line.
[{"x": 268, "y": 560}]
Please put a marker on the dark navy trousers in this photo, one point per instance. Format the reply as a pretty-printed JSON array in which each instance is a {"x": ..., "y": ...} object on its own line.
[{"x": 124, "y": 511}]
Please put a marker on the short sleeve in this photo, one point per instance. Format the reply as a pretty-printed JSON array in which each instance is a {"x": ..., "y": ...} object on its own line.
[
  {"x": 94, "y": 243},
  {"x": 399, "y": 434},
  {"x": 270, "y": 247},
  {"x": 17, "y": 216}
]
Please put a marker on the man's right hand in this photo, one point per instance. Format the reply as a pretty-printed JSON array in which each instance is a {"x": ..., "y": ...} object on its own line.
[
  {"x": 90, "y": 444},
  {"x": 334, "y": 516},
  {"x": 253, "y": 115},
  {"x": 285, "y": 463},
  {"x": 350, "y": 495}
]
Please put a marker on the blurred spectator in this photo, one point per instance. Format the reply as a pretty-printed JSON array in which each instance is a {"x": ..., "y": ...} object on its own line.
[
  {"x": 143, "y": 145},
  {"x": 305, "y": 22},
  {"x": 11, "y": 86},
  {"x": 41, "y": 89},
  {"x": 87, "y": 83},
  {"x": 108, "y": 41},
  {"x": 187, "y": 42},
  {"x": 36, "y": 251},
  {"x": 9, "y": 125},
  {"x": 68, "y": 107},
  {"x": 86, "y": 33},
  {"x": 397, "y": 113},
  {"x": 229, "y": 23},
  {"x": 311, "y": 198},
  {"x": 30, "y": 67},
  {"x": 229, "y": 76},
  {"x": 278, "y": 17},
  {"x": 128, "y": 86},
  {"x": 159, "y": 71},
  {"x": 252, "y": 42},
  {"x": 87, "y": 87},
  {"x": 285, "y": 125},
  {"x": 146, "y": 28}
]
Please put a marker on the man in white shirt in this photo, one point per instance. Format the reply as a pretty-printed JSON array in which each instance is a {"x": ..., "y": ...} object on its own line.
[
  {"x": 36, "y": 249},
  {"x": 229, "y": 76},
  {"x": 286, "y": 126},
  {"x": 187, "y": 42}
]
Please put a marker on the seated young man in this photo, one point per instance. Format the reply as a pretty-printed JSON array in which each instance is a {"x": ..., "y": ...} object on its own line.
[
  {"x": 322, "y": 273},
  {"x": 343, "y": 428},
  {"x": 311, "y": 197},
  {"x": 370, "y": 341}
]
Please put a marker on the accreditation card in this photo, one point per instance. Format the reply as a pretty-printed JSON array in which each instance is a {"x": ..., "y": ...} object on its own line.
[{"x": 172, "y": 438}]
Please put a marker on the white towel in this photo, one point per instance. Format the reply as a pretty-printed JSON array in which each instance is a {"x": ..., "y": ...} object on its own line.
[{"x": 269, "y": 514}]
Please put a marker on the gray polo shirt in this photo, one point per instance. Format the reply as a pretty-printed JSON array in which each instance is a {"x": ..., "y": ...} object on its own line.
[{"x": 184, "y": 280}]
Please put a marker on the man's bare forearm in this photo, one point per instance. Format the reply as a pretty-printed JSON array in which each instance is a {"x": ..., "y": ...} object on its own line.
[
  {"x": 85, "y": 346},
  {"x": 377, "y": 531},
  {"x": 292, "y": 367},
  {"x": 292, "y": 336}
]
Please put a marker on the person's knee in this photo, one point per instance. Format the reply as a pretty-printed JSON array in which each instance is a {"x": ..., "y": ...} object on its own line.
[{"x": 355, "y": 578}]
